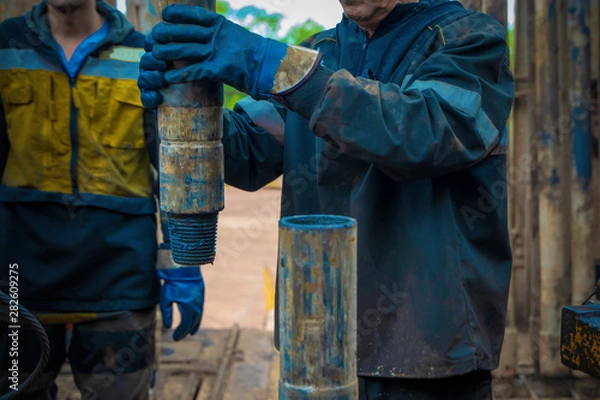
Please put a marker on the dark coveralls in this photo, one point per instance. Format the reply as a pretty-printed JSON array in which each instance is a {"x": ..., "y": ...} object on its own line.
[{"x": 409, "y": 138}]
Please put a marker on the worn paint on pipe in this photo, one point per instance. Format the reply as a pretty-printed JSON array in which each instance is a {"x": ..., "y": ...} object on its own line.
[
  {"x": 191, "y": 158},
  {"x": 532, "y": 215},
  {"x": 582, "y": 216},
  {"x": 317, "y": 303},
  {"x": 552, "y": 223}
]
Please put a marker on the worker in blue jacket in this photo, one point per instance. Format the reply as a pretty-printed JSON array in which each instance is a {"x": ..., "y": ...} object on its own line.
[
  {"x": 395, "y": 117},
  {"x": 77, "y": 204}
]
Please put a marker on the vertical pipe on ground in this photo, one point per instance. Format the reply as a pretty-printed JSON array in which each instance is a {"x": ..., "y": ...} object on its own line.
[
  {"x": 553, "y": 247},
  {"x": 317, "y": 308},
  {"x": 520, "y": 162},
  {"x": 595, "y": 62},
  {"x": 532, "y": 215},
  {"x": 191, "y": 160},
  {"x": 582, "y": 217}
]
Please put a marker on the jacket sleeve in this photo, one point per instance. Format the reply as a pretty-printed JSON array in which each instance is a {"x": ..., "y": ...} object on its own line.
[
  {"x": 446, "y": 116},
  {"x": 253, "y": 156},
  {"x": 4, "y": 143}
]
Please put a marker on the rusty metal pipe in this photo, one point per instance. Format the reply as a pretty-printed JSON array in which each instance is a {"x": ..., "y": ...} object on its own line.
[
  {"x": 190, "y": 126},
  {"x": 532, "y": 246},
  {"x": 582, "y": 218},
  {"x": 317, "y": 303},
  {"x": 554, "y": 274}
]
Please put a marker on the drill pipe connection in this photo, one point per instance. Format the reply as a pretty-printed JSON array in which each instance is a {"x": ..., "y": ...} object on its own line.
[{"x": 190, "y": 124}]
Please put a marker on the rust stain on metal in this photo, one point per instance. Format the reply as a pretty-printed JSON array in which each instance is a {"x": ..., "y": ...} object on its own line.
[
  {"x": 554, "y": 250},
  {"x": 317, "y": 302},
  {"x": 190, "y": 157}
]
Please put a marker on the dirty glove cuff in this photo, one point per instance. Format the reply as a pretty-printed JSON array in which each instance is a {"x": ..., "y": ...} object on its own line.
[
  {"x": 283, "y": 68},
  {"x": 305, "y": 97}
]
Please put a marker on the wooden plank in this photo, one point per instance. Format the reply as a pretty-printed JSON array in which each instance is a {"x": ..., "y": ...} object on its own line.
[
  {"x": 176, "y": 386},
  {"x": 251, "y": 369},
  {"x": 219, "y": 358}
]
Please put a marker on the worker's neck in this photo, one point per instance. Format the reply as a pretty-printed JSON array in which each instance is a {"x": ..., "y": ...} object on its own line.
[
  {"x": 370, "y": 21},
  {"x": 69, "y": 23}
]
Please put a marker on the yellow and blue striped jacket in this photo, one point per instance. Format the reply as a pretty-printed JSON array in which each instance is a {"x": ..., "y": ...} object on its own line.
[
  {"x": 79, "y": 141},
  {"x": 77, "y": 187}
]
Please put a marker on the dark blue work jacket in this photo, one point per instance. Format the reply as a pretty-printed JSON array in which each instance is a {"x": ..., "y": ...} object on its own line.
[{"x": 409, "y": 138}]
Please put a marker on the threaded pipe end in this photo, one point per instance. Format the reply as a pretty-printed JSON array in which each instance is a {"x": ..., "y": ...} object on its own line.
[{"x": 193, "y": 238}]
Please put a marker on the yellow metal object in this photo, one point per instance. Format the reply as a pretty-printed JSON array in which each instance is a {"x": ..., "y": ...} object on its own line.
[{"x": 580, "y": 338}]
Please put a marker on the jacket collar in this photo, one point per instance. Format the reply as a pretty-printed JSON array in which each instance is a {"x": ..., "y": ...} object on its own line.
[
  {"x": 37, "y": 22},
  {"x": 399, "y": 14}
]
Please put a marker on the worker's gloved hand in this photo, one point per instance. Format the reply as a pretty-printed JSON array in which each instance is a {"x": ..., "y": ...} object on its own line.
[
  {"x": 224, "y": 51},
  {"x": 152, "y": 76},
  {"x": 184, "y": 286}
]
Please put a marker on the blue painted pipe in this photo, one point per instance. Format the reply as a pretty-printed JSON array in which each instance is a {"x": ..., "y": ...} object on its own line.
[
  {"x": 190, "y": 125},
  {"x": 317, "y": 308}
]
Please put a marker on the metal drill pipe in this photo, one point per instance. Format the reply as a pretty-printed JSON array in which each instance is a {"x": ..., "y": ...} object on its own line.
[
  {"x": 317, "y": 303},
  {"x": 582, "y": 217},
  {"x": 554, "y": 274},
  {"x": 190, "y": 126}
]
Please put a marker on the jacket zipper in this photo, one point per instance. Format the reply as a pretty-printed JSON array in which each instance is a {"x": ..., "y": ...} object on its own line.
[
  {"x": 361, "y": 59},
  {"x": 73, "y": 131}
]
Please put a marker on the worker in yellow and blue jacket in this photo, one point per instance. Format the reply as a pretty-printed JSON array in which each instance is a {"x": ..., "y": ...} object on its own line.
[{"x": 77, "y": 201}]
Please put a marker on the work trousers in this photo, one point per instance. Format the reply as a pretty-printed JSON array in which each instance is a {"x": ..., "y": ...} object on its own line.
[
  {"x": 472, "y": 386},
  {"x": 111, "y": 358}
]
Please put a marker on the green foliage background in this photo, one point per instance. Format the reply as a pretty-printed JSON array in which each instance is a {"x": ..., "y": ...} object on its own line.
[{"x": 269, "y": 25}]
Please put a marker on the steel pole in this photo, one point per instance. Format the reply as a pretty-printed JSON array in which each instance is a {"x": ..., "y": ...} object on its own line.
[
  {"x": 497, "y": 9},
  {"x": 317, "y": 308},
  {"x": 553, "y": 247},
  {"x": 190, "y": 125},
  {"x": 582, "y": 216}
]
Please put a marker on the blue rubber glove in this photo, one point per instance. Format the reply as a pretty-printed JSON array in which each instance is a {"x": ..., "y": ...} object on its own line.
[
  {"x": 218, "y": 50},
  {"x": 152, "y": 76},
  {"x": 184, "y": 286}
]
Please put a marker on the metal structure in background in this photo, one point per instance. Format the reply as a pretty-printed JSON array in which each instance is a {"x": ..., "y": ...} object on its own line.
[
  {"x": 190, "y": 125},
  {"x": 554, "y": 186},
  {"x": 317, "y": 308},
  {"x": 554, "y": 279},
  {"x": 582, "y": 217}
]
